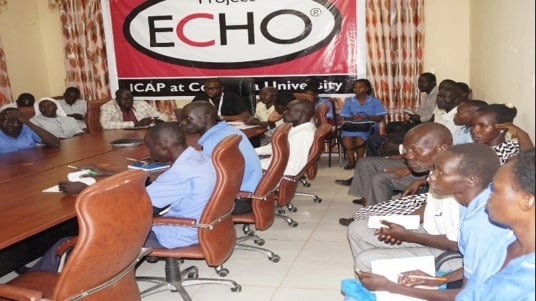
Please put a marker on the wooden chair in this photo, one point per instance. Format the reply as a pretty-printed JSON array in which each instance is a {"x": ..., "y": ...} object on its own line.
[
  {"x": 216, "y": 232},
  {"x": 289, "y": 184},
  {"x": 263, "y": 200},
  {"x": 93, "y": 115},
  {"x": 114, "y": 219}
]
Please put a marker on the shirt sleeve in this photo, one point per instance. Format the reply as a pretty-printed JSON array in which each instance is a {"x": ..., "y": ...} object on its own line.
[{"x": 111, "y": 118}]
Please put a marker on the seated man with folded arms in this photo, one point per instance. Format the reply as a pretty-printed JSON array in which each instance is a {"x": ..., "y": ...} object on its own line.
[
  {"x": 465, "y": 172},
  {"x": 300, "y": 137},
  {"x": 18, "y": 133},
  {"x": 50, "y": 116},
  {"x": 74, "y": 106},
  {"x": 229, "y": 106},
  {"x": 265, "y": 108},
  {"x": 186, "y": 187},
  {"x": 124, "y": 112},
  {"x": 440, "y": 215},
  {"x": 201, "y": 117}
]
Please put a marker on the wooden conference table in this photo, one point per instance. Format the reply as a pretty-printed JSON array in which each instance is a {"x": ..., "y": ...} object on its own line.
[{"x": 31, "y": 220}]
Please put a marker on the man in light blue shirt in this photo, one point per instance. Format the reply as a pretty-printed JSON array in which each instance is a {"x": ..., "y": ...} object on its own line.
[
  {"x": 18, "y": 133},
  {"x": 201, "y": 117}
]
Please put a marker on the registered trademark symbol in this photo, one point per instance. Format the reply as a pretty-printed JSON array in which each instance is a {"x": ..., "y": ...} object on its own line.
[{"x": 315, "y": 12}]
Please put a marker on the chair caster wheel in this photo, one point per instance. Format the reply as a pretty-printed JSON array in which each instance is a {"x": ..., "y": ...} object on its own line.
[
  {"x": 280, "y": 211},
  {"x": 223, "y": 272},
  {"x": 307, "y": 184},
  {"x": 236, "y": 289},
  {"x": 317, "y": 199},
  {"x": 193, "y": 275},
  {"x": 259, "y": 242},
  {"x": 292, "y": 209},
  {"x": 151, "y": 259},
  {"x": 275, "y": 258},
  {"x": 293, "y": 224}
]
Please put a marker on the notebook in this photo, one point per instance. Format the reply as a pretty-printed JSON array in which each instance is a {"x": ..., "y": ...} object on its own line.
[{"x": 149, "y": 166}]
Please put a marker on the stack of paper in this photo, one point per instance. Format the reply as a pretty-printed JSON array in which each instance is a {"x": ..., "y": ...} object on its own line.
[{"x": 391, "y": 269}]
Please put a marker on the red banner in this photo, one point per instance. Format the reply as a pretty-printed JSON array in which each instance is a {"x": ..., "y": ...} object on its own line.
[{"x": 165, "y": 48}]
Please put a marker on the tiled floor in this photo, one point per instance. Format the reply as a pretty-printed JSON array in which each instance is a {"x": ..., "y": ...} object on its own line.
[{"x": 315, "y": 256}]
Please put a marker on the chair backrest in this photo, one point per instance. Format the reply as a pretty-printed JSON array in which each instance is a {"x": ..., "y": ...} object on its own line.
[
  {"x": 218, "y": 243},
  {"x": 288, "y": 185},
  {"x": 264, "y": 210},
  {"x": 321, "y": 115},
  {"x": 114, "y": 219},
  {"x": 316, "y": 150},
  {"x": 93, "y": 115}
]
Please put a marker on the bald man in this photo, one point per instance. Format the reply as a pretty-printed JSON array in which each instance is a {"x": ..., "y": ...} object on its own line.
[
  {"x": 201, "y": 117},
  {"x": 440, "y": 216},
  {"x": 300, "y": 137}
]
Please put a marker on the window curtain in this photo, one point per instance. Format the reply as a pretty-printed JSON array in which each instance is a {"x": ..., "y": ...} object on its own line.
[
  {"x": 86, "y": 65},
  {"x": 5, "y": 86},
  {"x": 395, "y": 36}
]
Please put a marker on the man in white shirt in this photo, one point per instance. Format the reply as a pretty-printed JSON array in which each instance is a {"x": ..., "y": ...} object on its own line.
[
  {"x": 124, "y": 112},
  {"x": 74, "y": 106},
  {"x": 299, "y": 113},
  {"x": 439, "y": 229}
]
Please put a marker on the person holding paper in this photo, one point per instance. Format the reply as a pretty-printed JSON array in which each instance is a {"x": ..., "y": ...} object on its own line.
[
  {"x": 464, "y": 171},
  {"x": 440, "y": 216}
]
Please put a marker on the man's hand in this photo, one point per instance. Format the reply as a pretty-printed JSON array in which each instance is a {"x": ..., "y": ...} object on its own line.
[
  {"x": 393, "y": 234},
  {"x": 68, "y": 187},
  {"x": 414, "y": 187},
  {"x": 417, "y": 277},
  {"x": 76, "y": 116},
  {"x": 374, "y": 282},
  {"x": 399, "y": 173},
  {"x": 145, "y": 121}
]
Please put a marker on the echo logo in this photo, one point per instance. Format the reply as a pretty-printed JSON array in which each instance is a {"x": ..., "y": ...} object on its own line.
[{"x": 239, "y": 34}]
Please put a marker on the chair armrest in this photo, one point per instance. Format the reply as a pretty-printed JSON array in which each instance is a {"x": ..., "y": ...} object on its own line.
[
  {"x": 174, "y": 221},
  {"x": 245, "y": 195},
  {"x": 66, "y": 246},
  {"x": 19, "y": 293},
  {"x": 249, "y": 195},
  {"x": 446, "y": 256}
]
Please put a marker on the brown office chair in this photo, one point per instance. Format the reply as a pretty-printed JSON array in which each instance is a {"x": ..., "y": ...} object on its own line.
[
  {"x": 93, "y": 115},
  {"x": 263, "y": 200},
  {"x": 289, "y": 184},
  {"x": 114, "y": 219},
  {"x": 216, "y": 232}
]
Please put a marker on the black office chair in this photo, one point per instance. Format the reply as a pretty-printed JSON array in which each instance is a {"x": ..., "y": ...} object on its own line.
[{"x": 244, "y": 87}]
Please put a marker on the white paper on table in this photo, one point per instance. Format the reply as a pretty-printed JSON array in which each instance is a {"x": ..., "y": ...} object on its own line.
[
  {"x": 75, "y": 176},
  {"x": 410, "y": 222},
  {"x": 240, "y": 125},
  {"x": 391, "y": 269}
]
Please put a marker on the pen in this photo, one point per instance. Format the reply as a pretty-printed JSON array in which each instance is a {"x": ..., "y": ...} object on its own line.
[
  {"x": 89, "y": 171},
  {"x": 439, "y": 279}
]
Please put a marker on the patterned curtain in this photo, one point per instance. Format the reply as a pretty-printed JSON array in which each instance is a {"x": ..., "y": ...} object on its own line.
[
  {"x": 85, "y": 50},
  {"x": 5, "y": 86},
  {"x": 395, "y": 36}
]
